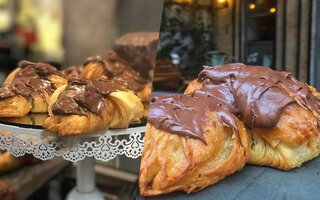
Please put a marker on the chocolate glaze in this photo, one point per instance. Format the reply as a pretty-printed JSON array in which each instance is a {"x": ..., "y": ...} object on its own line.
[
  {"x": 81, "y": 96},
  {"x": 256, "y": 95},
  {"x": 31, "y": 79},
  {"x": 73, "y": 72},
  {"x": 6, "y": 92},
  {"x": 115, "y": 68}
]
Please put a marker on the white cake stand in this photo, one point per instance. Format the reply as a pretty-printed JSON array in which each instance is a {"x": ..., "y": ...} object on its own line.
[{"x": 83, "y": 149}]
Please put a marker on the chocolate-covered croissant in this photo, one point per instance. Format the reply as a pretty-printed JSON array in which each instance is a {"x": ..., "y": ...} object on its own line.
[
  {"x": 83, "y": 105},
  {"x": 28, "y": 89},
  {"x": 270, "y": 115}
]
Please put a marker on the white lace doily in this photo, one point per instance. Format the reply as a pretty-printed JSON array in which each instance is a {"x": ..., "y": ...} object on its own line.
[{"x": 103, "y": 146}]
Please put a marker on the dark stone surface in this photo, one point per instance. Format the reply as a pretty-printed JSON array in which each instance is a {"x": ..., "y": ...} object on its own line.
[{"x": 263, "y": 183}]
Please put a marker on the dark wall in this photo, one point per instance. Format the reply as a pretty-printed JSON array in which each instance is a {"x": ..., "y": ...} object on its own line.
[{"x": 92, "y": 27}]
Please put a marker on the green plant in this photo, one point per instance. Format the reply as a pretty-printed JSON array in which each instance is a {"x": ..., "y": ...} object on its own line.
[{"x": 191, "y": 39}]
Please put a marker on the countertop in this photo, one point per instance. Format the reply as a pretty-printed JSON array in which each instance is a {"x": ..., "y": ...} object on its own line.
[{"x": 263, "y": 183}]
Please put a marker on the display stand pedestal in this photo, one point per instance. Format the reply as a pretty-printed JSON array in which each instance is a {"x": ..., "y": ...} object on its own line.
[
  {"x": 86, "y": 182},
  {"x": 83, "y": 149}
]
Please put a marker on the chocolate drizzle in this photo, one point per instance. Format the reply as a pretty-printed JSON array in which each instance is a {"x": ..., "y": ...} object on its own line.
[
  {"x": 256, "y": 95},
  {"x": 115, "y": 68},
  {"x": 31, "y": 79},
  {"x": 73, "y": 72},
  {"x": 81, "y": 96}
]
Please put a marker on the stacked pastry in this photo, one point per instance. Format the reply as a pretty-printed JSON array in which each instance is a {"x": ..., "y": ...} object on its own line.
[
  {"x": 76, "y": 103},
  {"x": 111, "y": 66},
  {"x": 231, "y": 115}
]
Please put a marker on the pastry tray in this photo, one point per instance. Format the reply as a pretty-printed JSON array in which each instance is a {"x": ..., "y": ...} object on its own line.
[{"x": 20, "y": 139}]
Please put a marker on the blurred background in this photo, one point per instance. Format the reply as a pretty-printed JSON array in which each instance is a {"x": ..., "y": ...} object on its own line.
[
  {"x": 65, "y": 33},
  {"x": 280, "y": 34}
]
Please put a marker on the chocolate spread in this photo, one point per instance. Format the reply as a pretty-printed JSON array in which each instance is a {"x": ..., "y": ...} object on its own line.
[
  {"x": 115, "y": 68},
  {"x": 31, "y": 79},
  {"x": 256, "y": 95},
  {"x": 81, "y": 96}
]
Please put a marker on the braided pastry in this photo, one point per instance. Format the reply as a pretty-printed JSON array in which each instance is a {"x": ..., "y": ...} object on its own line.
[
  {"x": 82, "y": 106},
  {"x": 111, "y": 66},
  {"x": 28, "y": 89}
]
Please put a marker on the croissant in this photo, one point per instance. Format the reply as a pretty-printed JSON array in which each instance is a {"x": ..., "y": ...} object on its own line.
[
  {"x": 82, "y": 106},
  {"x": 294, "y": 140},
  {"x": 273, "y": 116},
  {"x": 28, "y": 89},
  {"x": 111, "y": 66},
  {"x": 172, "y": 162}
]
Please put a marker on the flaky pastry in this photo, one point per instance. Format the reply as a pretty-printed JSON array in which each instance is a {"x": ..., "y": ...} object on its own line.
[
  {"x": 263, "y": 116},
  {"x": 172, "y": 162},
  {"x": 294, "y": 140}
]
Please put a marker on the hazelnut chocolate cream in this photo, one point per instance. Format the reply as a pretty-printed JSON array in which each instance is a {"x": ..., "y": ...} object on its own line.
[
  {"x": 30, "y": 80},
  {"x": 115, "y": 68},
  {"x": 81, "y": 96},
  {"x": 256, "y": 95}
]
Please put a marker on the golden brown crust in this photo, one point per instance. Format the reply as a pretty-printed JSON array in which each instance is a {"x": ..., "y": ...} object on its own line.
[
  {"x": 76, "y": 124},
  {"x": 93, "y": 71},
  {"x": 128, "y": 108},
  {"x": 17, "y": 106},
  {"x": 171, "y": 162},
  {"x": 295, "y": 140},
  {"x": 58, "y": 81},
  {"x": 193, "y": 86}
]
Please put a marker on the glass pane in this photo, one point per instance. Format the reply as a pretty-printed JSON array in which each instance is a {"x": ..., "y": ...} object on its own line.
[{"x": 260, "y": 29}]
